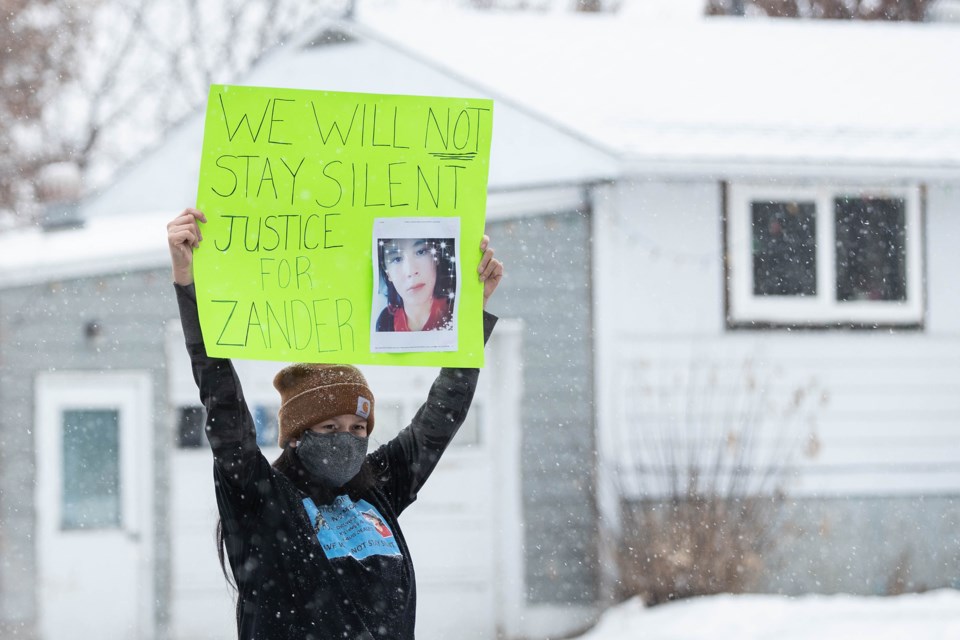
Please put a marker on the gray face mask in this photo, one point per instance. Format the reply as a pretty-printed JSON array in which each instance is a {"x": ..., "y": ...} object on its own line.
[{"x": 332, "y": 458}]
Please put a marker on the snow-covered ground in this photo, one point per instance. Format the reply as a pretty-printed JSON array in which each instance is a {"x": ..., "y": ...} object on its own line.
[{"x": 930, "y": 616}]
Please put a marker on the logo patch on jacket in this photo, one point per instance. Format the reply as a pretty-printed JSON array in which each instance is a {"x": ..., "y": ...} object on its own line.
[{"x": 348, "y": 528}]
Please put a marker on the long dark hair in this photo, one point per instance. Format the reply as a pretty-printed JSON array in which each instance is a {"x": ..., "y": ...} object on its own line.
[
  {"x": 446, "y": 284},
  {"x": 289, "y": 465}
]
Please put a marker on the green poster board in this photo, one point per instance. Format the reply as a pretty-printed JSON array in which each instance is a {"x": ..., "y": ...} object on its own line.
[{"x": 295, "y": 184}]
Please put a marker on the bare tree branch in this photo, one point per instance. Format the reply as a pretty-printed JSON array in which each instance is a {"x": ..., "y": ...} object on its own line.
[{"x": 75, "y": 73}]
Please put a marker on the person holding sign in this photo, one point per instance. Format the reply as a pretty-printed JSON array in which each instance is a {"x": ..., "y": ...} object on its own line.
[
  {"x": 420, "y": 284},
  {"x": 312, "y": 540}
]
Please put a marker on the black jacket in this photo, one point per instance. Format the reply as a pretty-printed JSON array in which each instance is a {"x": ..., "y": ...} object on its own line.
[{"x": 301, "y": 576}]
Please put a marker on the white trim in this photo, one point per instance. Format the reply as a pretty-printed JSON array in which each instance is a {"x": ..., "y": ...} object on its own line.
[
  {"x": 607, "y": 206},
  {"x": 553, "y": 620},
  {"x": 823, "y": 308},
  {"x": 521, "y": 203},
  {"x": 107, "y": 245},
  {"x": 506, "y": 394},
  {"x": 131, "y": 393},
  {"x": 787, "y": 170},
  {"x": 105, "y": 265},
  {"x": 181, "y": 389},
  {"x": 102, "y": 246}
]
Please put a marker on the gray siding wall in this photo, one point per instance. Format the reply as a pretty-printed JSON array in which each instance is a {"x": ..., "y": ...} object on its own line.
[
  {"x": 868, "y": 546},
  {"x": 41, "y": 329},
  {"x": 548, "y": 285},
  {"x": 862, "y": 545}
]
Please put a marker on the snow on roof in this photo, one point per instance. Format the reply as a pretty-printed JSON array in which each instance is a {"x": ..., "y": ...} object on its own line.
[
  {"x": 102, "y": 245},
  {"x": 527, "y": 154},
  {"x": 585, "y": 97},
  {"x": 773, "y": 90},
  {"x": 525, "y": 151}
]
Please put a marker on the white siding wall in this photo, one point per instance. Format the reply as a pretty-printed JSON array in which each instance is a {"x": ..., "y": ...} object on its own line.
[
  {"x": 657, "y": 259},
  {"x": 882, "y": 416},
  {"x": 641, "y": 292},
  {"x": 891, "y": 420}
]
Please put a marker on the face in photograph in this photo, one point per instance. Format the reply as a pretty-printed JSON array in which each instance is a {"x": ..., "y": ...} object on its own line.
[
  {"x": 418, "y": 276},
  {"x": 411, "y": 267}
]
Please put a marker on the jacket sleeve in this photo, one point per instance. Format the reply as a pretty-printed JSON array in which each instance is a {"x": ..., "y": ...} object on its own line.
[
  {"x": 239, "y": 466},
  {"x": 407, "y": 460}
]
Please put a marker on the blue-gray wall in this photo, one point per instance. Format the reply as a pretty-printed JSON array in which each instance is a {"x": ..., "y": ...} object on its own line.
[
  {"x": 548, "y": 285},
  {"x": 868, "y": 546},
  {"x": 42, "y": 327},
  {"x": 862, "y": 545}
]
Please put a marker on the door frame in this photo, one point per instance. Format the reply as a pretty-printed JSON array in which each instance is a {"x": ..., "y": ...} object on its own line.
[
  {"x": 504, "y": 371},
  {"x": 131, "y": 393}
]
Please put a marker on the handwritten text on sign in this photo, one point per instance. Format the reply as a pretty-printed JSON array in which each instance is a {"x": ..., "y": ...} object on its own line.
[{"x": 291, "y": 182}]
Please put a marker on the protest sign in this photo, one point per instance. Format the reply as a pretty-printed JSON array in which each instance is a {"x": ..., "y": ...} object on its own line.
[{"x": 293, "y": 184}]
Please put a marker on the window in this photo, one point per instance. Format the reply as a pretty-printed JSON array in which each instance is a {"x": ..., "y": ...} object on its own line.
[
  {"x": 91, "y": 469},
  {"x": 823, "y": 256},
  {"x": 190, "y": 425},
  {"x": 784, "y": 248},
  {"x": 871, "y": 248},
  {"x": 265, "y": 420}
]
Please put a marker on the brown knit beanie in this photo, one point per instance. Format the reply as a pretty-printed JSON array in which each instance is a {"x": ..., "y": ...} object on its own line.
[{"x": 312, "y": 393}]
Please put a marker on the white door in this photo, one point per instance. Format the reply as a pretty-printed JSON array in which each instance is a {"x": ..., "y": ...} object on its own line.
[
  {"x": 94, "y": 504},
  {"x": 464, "y": 530},
  {"x": 450, "y": 529}
]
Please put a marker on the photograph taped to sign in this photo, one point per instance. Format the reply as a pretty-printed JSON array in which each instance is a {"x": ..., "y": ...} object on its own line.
[{"x": 416, "y": 284}]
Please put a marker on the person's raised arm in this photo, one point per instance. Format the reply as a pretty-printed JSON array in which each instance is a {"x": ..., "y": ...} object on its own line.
[
  {"x": 230, "y": 427},
  {"x": 183, "y": 236},
  {"x": 410, "y": 458}
]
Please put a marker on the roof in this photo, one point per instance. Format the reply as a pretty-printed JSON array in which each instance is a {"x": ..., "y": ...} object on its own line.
[
  {"x": 534, "y": 165},
  {"x": 582, "y": 98},
  {"x": 108, "y": 244},
  {"x": 713, "y": 89},
  {"x": 526, "y": 151}
]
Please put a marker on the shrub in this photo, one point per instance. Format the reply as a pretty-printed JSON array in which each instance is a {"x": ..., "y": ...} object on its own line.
[{"x": 703, "y": 479}]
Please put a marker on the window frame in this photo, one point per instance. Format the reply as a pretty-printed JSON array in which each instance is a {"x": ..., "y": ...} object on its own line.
[
  {"x": 823, "y": 310},
  {"x": 128, "y": 393}
]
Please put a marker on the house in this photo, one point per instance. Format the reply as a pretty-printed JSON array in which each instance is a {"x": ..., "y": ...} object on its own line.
[
  {"x": 107, "y": 503},
  {"x": 786, "y": 200},
  {"x": 664, "y": 195}
]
